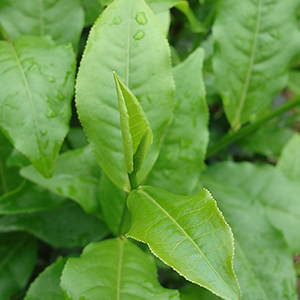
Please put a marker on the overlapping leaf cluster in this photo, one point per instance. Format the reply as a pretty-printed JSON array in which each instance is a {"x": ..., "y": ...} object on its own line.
[{"x": 137, "y": 166}]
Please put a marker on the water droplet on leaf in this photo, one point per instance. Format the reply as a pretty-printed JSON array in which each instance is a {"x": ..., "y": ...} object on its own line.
[
  {"x": 139, "y": 35},
  {"x": 52, "y": 114},
  {"x": 43, "y": 132},
  {"x": 51, "y": 79},
  {"x": 141, "y": 18},
  {"x": 117, "y": 20},
  {"x": 60, "y": 96}
]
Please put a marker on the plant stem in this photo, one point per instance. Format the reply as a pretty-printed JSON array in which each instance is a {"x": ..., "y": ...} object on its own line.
[
  {"x": 133, "y": 181},
  {"x": 3, "y": 33},
  {"x": 231, "y": 137},
  {"x": 125, "y": 221}
]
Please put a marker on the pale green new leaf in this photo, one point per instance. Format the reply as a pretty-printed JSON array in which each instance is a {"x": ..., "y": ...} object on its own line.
[
  {"x": 9, "y": 176},
  {"x": 17, "y": 260},
  {"x": 63, "y": 20},
  {"x": 278, "y": 194},
  {"x": 29, "y": 198},
  {"x": 255, "y": 42},
  {"x": 135, "y": 127},
  {"x": 289, "y": 162},
  {"x": 183, "y": 150},
  {"x": 35, "y": 106},
  {"x": 261, "y": 275},
  {"x": 122, "y": 37},
  {"x": 46, "y": 285},
  {"x": 123, "y": 271},
  {"x": 189, "y": 234},
  {"x": 76, "y": 176},
  {"x": 66, "y": 227}
]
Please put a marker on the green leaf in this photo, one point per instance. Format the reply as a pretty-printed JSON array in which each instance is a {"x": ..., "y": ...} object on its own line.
[
  {"x": 76, "y": 138},
  {"x": 125, "y": 273},
  {"x": 9, "y": 176},
  {"x": 289, "y": 162},
  {"x": 183, "y": 151},
  {"x": 261, "y": 275},
  {"x": 294, "y": 81},
  {"x": 29, "y": 198},
  {"x": 46, "y": 285},
  {"x": 17, "y": 260},
  {"x": 67, "y": 227},
  {"x": 195, "y": 292},
  {"x": 42, "y": 89},
  {"x": 255, "y": 43},
  {"x": 136, "y": 131},
  {"x": 278, "y": 194},
  {"x": 268, "y": 140},
  {"x": 63, "y": 20},
  {"x": 159, "y": 6},
  {"x": 76, "y": 176},
  {"x": 92, "y": 8},
  {"x": 164, "y": 19},
  {"x": 127, "y": 28},
  {"x": 113, "y": 201},
  {"x": 189, "y": 234}
]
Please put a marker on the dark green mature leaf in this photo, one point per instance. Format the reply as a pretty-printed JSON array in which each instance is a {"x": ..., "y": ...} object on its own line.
[
  {"x": 35, "y": 106},
  {"x": 195, "y": 292},
  {"x": 46, "y": 285},
  {"x": 92, "y": 8},
  {"x": 76, "y": 176},
  {"x": 67, "y": 227},
  {"x": 183, "y": 151},
  {"x": 63, "y": 20},
  {"x": 262, "y": 261},
  {"x": 278, "y": 194},
  {"x": 125, "y": 273},
  {"x": 113, "y": 201},
  {"x": 255, "y": 42},
  {"x": 135, "y": 127},
  {"x": 189, "y": 234},
  {"x": 17, "y": 260},
  {"x": 289, "y": 162},
  {"x": 127, "y": 28},
  {"x": 29, "y": 198},
  {"x": 9, "y": 176}
]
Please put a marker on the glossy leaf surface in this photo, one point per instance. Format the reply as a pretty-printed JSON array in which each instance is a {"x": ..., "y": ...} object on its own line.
[
  {"x": 9, "y": 176},
  {"x": 125, "y": 273},
  {"x": 289, "y": 162},
  {"x": 278, "y": 194},
  {"x": 46, "y": 285},
  {"x": 183, "y": 150},
  {"x": 76, "y": 176},
  {"x": 255, "y": 42},
  {"x": 189, "y": 234},
  {"x": 260, "y": 275},
  {"x": 29, "y": 198},
  {"x": 67, "y": 227},
  {"x": 63, "y": 20},
  {"x": 35, "y": 105},
  {"x": 17, "y": 260},
  {"x": 134, "y": 125},
  {"x": 129, "y": 30}
]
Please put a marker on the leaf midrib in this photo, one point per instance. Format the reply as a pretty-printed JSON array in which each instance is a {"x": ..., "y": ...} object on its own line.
[
  {"x": 250, "y": 68},
  {"x": 190, "y": 239},
  {"x": 120, "y": 268},
  {"x": 31, "y": 105}
]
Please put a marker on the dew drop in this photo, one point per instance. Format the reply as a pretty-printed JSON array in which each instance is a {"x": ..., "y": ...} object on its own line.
[
  {"x": 52, "y": 115},
  {"x": 60, "y": 96},
  {"x": 51, "y": 79},
  {"x": 34, "y": 67},
  {"x": 139, "y": 35},
  {"x": 43, "y": 132},
  {"x": 149, "y": 99},
  {"x": 117, "y": 20},
  {"x": 141, "y": 18}
]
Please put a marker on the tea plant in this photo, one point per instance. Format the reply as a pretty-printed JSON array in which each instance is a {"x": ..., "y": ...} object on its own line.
[{"x": 190, "y": 167}]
